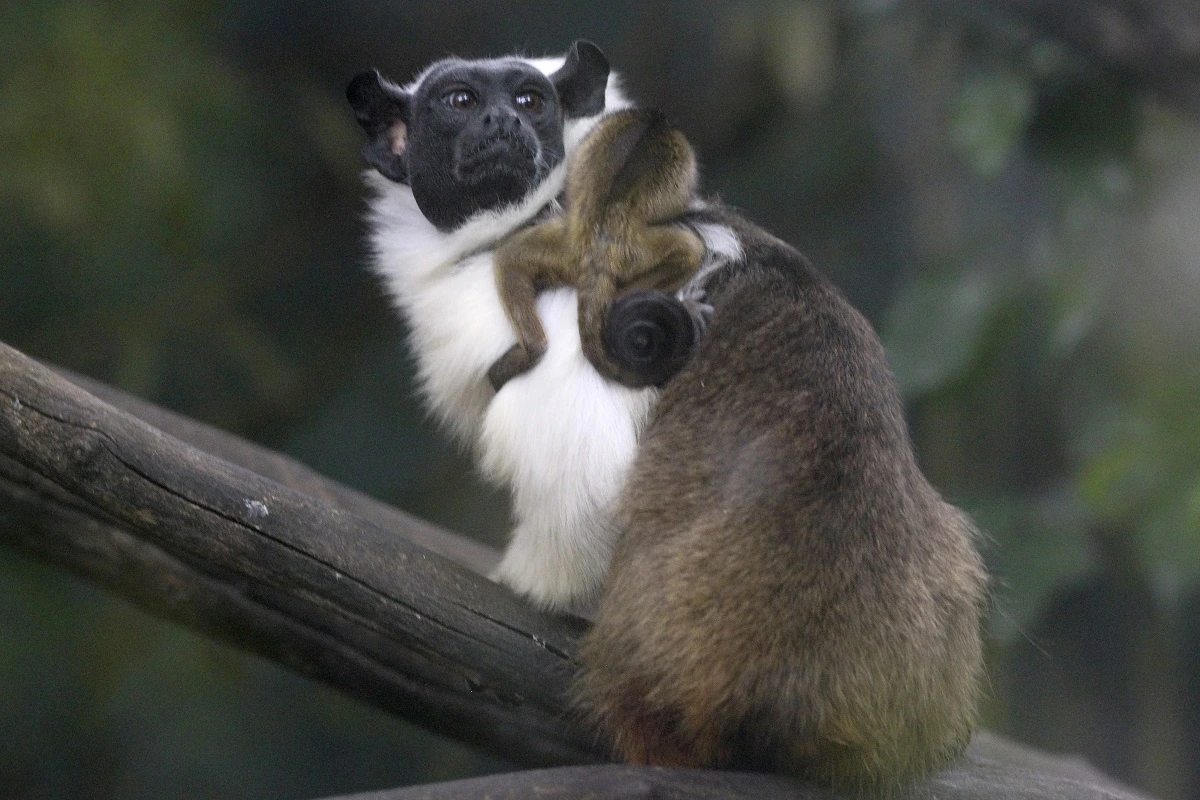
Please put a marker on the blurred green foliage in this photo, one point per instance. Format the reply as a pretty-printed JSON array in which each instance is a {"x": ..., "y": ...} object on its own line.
[{"x": 179, "y": 216}]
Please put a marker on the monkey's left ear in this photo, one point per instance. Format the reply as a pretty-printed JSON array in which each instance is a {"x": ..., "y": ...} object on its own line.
[
  {"x": 581, "y": 80},
  {"x": 382, "y": 109}
]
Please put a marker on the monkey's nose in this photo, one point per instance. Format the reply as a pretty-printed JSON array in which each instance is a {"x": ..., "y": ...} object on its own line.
[{"x": 502, "y": 120}]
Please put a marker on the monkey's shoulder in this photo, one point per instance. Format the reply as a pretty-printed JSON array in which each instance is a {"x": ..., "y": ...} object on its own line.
[
  {"x": 780, "y": 329},
  {"x": 749, "y": 263}
]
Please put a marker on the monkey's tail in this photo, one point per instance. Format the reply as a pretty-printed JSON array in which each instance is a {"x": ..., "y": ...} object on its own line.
[{"x": 641, "y": 339}]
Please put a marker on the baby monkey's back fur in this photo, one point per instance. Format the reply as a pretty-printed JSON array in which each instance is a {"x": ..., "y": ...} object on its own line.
[
  {"x": 789, "y": 593},
  {"x": 633, "y": 175}
]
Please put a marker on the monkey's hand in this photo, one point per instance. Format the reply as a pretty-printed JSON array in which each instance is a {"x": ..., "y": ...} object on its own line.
[{"x": 517, "y": 360}]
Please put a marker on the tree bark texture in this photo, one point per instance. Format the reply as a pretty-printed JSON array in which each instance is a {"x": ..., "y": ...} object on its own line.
[
  {"x": 993, "y": 769},
  {"x": 282, "y": 571}
]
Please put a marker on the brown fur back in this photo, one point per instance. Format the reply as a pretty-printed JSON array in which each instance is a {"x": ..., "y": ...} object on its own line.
[{"x": 789, "y": 593}]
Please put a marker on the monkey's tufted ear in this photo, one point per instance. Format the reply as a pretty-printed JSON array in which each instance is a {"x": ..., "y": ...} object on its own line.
[
  {"x": 581, "y": 80},
  {"x": 382, "y": 109}
]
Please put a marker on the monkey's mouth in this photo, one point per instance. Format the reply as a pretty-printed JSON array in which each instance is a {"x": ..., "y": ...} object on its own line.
[{"x": 498, "y": 158}]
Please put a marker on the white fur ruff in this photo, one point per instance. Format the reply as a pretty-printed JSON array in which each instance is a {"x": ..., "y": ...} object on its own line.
[{"x": 560, "y": 437}]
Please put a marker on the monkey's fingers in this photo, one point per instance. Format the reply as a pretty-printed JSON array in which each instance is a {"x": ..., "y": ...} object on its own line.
[{"x": 517, "y": 360}]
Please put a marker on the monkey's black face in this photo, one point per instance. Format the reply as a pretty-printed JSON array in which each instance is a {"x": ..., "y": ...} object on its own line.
[
  {"x": 481, "y": 136},
  {"x": 475, "y": 135}
]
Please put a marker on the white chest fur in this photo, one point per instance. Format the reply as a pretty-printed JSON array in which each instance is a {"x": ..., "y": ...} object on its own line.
[{"x": 560, "y": 437}]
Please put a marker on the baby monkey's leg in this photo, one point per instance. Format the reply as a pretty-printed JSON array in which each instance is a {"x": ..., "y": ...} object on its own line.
[
  {"x": 674, "y": 256},
  {"x": 531, "y": 259},
  {"x": 680, "y": 253},
  {"x": 684, "y": 255},
  {"x": 647, "y": 341}
]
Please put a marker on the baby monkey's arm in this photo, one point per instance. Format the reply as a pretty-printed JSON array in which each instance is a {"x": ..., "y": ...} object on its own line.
[
  {"x": 632, "y": 174},
  {"x": 530, "y": 260}
]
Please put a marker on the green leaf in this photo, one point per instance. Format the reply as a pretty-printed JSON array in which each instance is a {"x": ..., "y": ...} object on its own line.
[
  {"x": 988, "y": 117},
  {"x": 935, "y": 329}
]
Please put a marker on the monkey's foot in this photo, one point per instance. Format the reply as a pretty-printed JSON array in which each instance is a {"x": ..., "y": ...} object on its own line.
[
  {"x": 517, "y": 360},
  {"x": 555, "y": 587}
]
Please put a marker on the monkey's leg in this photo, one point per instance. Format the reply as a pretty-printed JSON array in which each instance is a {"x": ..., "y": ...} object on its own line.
[
  {"x": 530, "y": 258},
  {"x": 648, "y": 341},
  {"x": 666, "y": 257},
  {"x": 675, "y": 256},
  {"x": 684, "y": 253}
]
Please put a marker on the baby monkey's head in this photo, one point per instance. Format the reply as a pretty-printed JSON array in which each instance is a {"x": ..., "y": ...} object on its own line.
[{"x": 474, "y": 135}]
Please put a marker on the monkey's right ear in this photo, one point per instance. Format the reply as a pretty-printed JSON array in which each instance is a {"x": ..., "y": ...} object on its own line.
[
  {"x": 382, "y": 109},
  {"x": 581, "y": 80}
]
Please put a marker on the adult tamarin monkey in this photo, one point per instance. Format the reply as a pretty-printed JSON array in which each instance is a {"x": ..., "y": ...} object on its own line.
[
  {"x": 788, "y": 592},
  {"x": 464, "y": 155},
  {"x": 633, "y": 175}
]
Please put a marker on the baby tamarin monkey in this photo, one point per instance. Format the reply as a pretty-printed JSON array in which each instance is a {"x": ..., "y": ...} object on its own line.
[{"x": 633, "y": 175}]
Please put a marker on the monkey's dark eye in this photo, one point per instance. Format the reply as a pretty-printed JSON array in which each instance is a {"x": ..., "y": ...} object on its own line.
[
  {"x": 531, "y": 101},
  {"x": 461, "y": 99}
]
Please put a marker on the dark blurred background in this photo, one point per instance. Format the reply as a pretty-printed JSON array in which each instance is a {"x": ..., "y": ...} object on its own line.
[{"x": 1009, "y": 189}]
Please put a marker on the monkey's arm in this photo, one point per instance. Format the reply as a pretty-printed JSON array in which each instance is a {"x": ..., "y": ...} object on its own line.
[{"x": 529, "y": 260}]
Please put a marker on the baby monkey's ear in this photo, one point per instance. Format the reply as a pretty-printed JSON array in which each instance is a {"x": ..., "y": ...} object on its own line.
[
  {"x": 581, "y": 80},
  {"x": 382, "y": 109}
]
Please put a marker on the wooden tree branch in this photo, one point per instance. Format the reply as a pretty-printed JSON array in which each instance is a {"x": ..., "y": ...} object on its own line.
[
  {"x": 976, "y": 780},
  {"x": 342, "y": 588},
  {"x": 478, "y": 558},
  {"x": 994, "y": 769},
  {"x": 248, "y": 559}
]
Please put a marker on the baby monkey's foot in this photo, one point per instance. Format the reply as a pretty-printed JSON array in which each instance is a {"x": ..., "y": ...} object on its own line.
[{"x": 517, "y": 360}]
